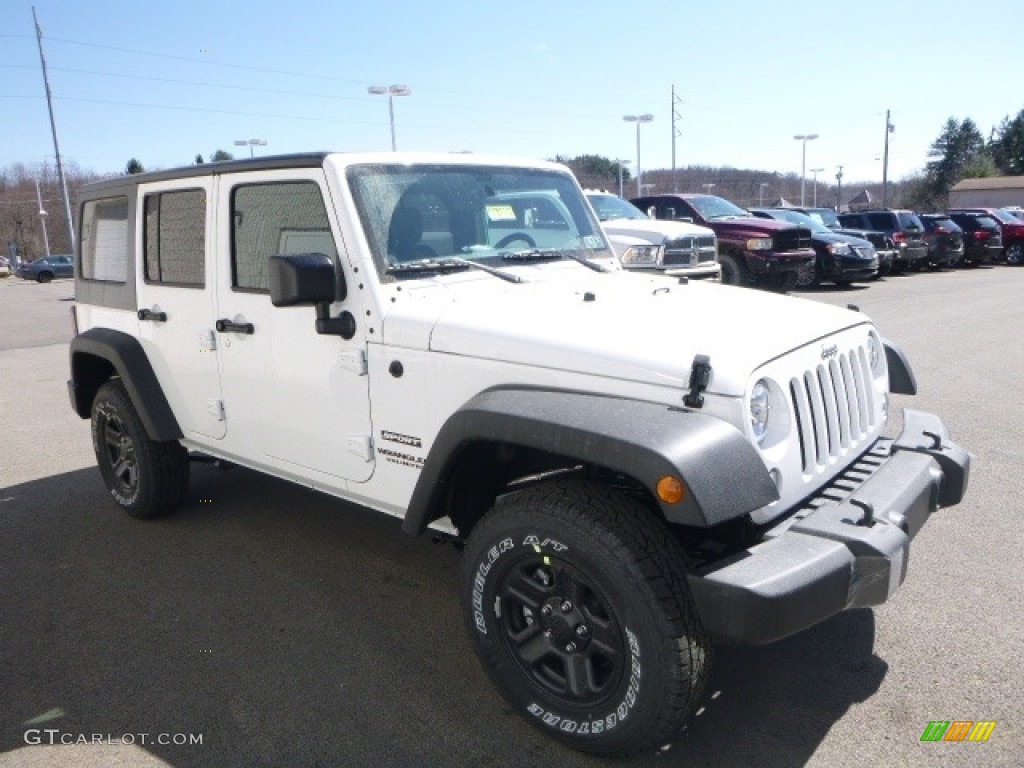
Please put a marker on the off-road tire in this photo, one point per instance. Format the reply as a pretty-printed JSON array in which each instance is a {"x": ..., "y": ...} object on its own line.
[
  {"x": 566, "y": 554},
  {"x": 146, "y": 478}
]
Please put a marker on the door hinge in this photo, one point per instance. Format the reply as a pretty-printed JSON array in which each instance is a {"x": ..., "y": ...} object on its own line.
[
  {"x": 361, "y": 446},
  {"x": 216, "y": 409},
  {"x": 354, "y": 360},
  {"x": 207, "y": 340}
]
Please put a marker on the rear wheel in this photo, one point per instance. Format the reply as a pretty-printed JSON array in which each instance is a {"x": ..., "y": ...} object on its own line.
[
  {"x": 579, "y": 610},
  {"x": 44, "y": 277},
  {"x": 1015, "y": 253},
  {"x": 147, "y": 478}
]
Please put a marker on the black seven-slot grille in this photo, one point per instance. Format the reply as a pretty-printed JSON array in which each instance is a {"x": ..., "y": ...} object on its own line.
[
  {"x": 834, "y": 405},
  {"x": 791, "y": 239},
  {"x": 689, "y": 251}
]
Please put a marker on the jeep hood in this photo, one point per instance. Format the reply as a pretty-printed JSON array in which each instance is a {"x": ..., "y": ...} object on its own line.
[{"x": 620, "y": 325}]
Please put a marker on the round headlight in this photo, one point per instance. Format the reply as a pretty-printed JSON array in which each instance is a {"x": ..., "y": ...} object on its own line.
[
  {"x": 876, "y": 355},
  {"x": 760, "y": 410}
]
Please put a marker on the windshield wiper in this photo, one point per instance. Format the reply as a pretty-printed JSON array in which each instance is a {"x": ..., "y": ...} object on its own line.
[
  {"x": 552, "y": 254},
  {"x": 448, "y": 265}
]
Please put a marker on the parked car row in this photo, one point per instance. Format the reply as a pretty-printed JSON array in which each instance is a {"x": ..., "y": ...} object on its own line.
[{"x": 783, "y": 248}]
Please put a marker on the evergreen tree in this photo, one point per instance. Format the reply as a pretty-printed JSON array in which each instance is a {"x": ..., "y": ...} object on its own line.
[{"x": 133, "y": 166}]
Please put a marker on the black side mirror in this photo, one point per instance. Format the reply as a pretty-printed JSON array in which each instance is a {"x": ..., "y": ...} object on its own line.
[
  {"x": 303, "y": 278},
  {"x": 310, "y": 278}
]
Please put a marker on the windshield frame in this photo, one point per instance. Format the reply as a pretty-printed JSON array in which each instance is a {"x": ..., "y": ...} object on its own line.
[{"x": 467, "y": 211}]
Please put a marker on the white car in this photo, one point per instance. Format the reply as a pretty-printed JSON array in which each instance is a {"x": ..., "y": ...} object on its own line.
[
  {"x": 670, "y": 247},
  {"x": 635, "y": 465}
]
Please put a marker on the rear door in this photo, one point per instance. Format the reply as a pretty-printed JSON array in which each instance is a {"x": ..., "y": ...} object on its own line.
[{"x": 176, "y": 300}]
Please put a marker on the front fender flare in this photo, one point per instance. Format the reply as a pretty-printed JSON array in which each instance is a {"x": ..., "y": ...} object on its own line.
[{"x": 724, "y": 475}]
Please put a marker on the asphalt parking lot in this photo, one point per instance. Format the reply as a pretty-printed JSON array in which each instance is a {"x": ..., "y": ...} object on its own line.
[{"x": 288, "y": 629}]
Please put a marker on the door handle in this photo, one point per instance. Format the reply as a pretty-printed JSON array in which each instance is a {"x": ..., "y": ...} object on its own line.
[
  {"x": 149, "y": 314},
  {"x": 228, "y": 326}
]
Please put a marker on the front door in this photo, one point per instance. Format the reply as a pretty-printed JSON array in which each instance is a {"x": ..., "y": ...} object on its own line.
[{"x": 295, "y": 400}]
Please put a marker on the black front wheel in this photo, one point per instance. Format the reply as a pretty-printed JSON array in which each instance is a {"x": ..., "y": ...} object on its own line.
[
  {"x": 577, "y": 602},
  {"x": 734, "y": 269},
  {"x": 146, "y": 477}
]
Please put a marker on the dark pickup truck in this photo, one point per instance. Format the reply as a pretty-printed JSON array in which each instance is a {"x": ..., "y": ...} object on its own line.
[{"x": 752, "y": 251}]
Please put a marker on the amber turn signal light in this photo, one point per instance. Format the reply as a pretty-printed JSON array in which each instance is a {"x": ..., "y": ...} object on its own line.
[{"x": 671, "y": 489}]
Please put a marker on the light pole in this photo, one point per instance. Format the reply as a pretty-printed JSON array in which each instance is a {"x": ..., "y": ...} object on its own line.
[
  {"x": 760, "y": 193},
  {"x": 390, "y": 91},
  {"x": 619, "y": 162},
  {"x": 42, "y": 220},
  {"x": 251, "y": 143},
  {"x": 638, "y": 119},
  {"x": 804, "y": 137},
  {"x": 815, "y": 172}
]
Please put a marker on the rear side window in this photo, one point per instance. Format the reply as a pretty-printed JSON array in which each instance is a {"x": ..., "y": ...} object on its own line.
[
  {"x": 174, "y": 237},
  {"x": 270, "y": 219},
  {"x": 880, "y": 221},
  {"x": 104, "y": 250}
]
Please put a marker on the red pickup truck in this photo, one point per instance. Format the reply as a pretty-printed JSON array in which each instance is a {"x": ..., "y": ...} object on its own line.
[{"x": 752, "y": 251}]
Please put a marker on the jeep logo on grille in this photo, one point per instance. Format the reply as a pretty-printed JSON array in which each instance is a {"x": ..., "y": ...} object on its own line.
[{"x": 830, "y": 351}]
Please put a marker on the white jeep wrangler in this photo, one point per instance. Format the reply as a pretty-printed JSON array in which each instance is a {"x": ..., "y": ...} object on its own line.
[{"x": 636, "y": 465}]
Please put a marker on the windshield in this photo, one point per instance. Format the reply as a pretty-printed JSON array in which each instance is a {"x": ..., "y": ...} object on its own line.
[
  {"x": 826, "y": 216},
  {"x": 610, "y": 207},
  {"x": 415, "y": 213},
  {"x": 801, "y": 219},
  {"x": 712, "y": 207},
  {"x": 1004, "y": 216}
]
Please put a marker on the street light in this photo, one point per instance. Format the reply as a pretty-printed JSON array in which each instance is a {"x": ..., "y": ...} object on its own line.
[
  {"x": 815, "y": 172},
  {"x": 804, "y": 137},
  {"x": 42, "y": 219},
  {"x": 390, "y": 91},
  {"x": 621, "y": 163},
  {"x": 252, "y": 143},
  {"x": 760, "y": 192},
  {"x": 638, "y": 119}
]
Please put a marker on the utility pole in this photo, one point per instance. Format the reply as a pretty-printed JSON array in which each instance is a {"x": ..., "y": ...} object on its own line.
[
  {"x": 839, "y": 188},
  {"x": 42, "y": 219},
  {"x": 53, "y": 130},
  {"x": 675, "y": 134},
  {"x": 885, "y": 162}
]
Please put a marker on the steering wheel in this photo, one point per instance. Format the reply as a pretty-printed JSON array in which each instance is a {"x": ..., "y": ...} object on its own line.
[{"x": 518, "y": 236}]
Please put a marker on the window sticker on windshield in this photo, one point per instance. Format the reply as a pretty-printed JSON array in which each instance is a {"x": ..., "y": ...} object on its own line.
[
  {"x": 501, "y": 212},
  {"x": 593, "y": 241}
]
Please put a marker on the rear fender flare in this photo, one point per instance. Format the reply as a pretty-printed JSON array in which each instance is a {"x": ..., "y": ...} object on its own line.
[{"x": 97, "y": 353}]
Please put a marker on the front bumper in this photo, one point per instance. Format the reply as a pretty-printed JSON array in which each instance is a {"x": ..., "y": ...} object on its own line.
[
  {"x": 777, "y": 262},
  {"x": 832, "y": 555}
]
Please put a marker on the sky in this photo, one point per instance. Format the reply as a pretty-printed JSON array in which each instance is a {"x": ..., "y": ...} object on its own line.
[{"x": 164, "y": 81}]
